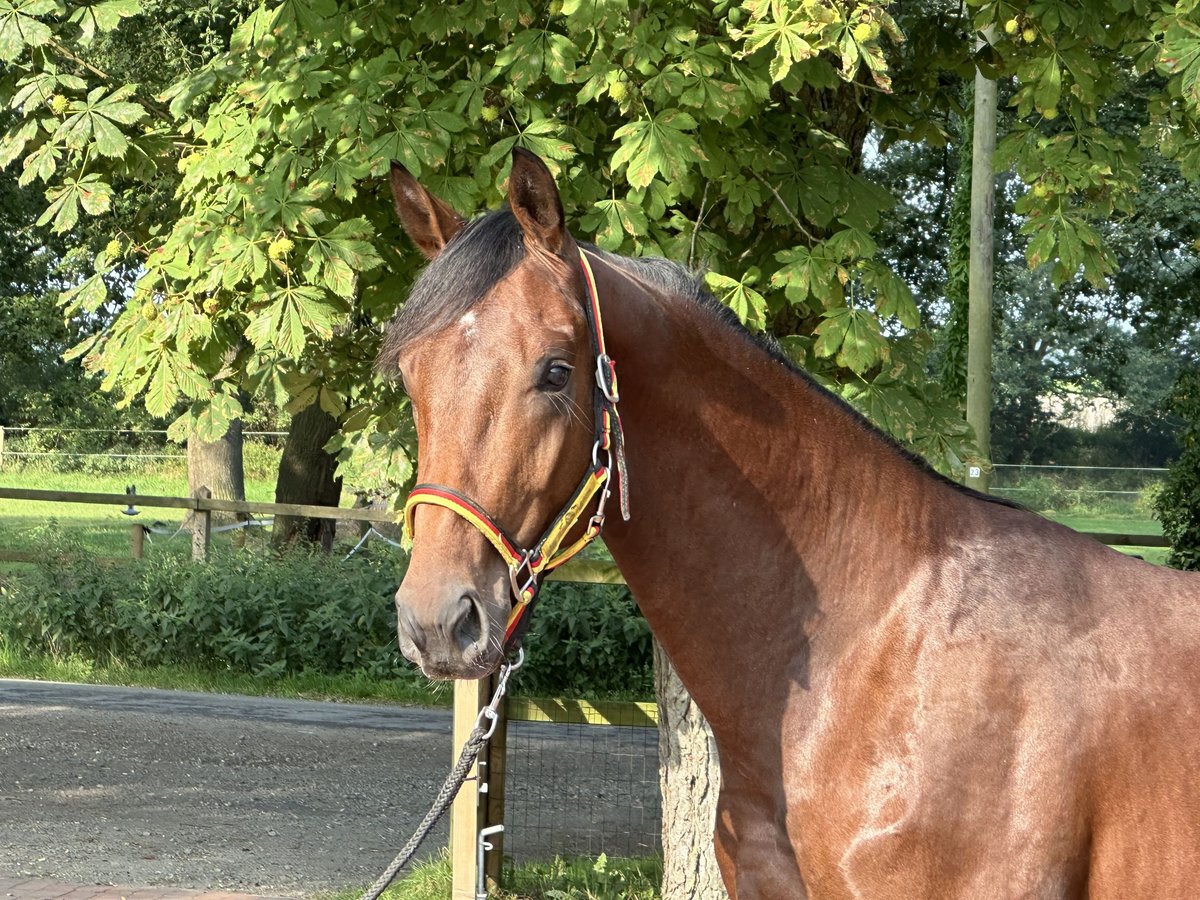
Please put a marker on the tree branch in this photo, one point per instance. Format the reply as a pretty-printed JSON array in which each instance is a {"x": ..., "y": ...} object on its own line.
[
  {"x": 791, "y": 215},
  {"x": 150, "y": 105},
  {"x": 696, "y": 230}
]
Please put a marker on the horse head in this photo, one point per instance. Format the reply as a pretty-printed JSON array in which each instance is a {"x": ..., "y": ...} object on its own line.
[{"x": 493, "y": 347}]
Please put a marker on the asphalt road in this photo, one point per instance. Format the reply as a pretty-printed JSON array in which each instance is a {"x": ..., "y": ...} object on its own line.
[{"x": 137, "y": 786}]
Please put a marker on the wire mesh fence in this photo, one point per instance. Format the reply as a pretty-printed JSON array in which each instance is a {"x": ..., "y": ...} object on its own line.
[
  {"x": 606, "y": 765},
  {"x": 127, "y": 450}
]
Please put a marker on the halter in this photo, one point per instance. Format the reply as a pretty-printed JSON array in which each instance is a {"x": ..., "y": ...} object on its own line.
[{"x": 527, "y": 567}]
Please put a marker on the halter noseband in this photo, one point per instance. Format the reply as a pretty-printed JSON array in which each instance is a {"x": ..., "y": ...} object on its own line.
[{"x": 526, "y": 568}]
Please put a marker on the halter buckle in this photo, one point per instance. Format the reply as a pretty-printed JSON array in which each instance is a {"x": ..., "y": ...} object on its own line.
[{"x": 606, "y": 377}]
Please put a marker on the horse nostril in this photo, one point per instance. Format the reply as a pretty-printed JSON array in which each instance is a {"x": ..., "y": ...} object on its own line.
[
  {"x": 409, "y": 627},
  {"x": 462, "y": 622}
]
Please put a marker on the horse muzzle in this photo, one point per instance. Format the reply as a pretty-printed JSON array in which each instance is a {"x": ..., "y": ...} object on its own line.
[{"x": 457, "y": 636}]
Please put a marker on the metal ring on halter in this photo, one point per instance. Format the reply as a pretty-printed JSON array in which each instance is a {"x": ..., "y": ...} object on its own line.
[
  {"x": 605, "y": 372},
  {"x": 514, "y": 572}
]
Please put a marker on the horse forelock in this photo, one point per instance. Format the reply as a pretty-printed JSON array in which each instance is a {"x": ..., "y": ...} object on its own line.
[{"x": 479, "y": 256}]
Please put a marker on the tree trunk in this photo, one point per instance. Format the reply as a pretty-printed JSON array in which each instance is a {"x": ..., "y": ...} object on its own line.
[
  {"x": 306, "y": 475},
  {"x": 689, "y": 780},
  {"x": 217, "y": 465}
]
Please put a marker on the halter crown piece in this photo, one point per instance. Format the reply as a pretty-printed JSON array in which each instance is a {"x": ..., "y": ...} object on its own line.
[{"x": 526, "y": 568}]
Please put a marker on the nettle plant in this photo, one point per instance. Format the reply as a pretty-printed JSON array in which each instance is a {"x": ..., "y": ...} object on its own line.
[{"x": 727, "y": 135}]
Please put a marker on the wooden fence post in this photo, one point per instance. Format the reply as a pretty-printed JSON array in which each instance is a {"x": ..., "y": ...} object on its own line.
[
  {"x": 466, "y": 815},
  {"x": 201, "y": 527},
  {"x": 1, "y": 448},
  {"x": 137, "y": 540}
]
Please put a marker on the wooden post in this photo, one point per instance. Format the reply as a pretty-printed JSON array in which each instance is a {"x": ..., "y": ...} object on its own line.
[
  {"x": 465, "y": 815},
  {"x": 201, "y": 527},
  {"x": 494, "y": 800},
  {"x": 1, "y": 448},
  {"x": 979, "y": 292},
  {"x": 137, "y": 540}
]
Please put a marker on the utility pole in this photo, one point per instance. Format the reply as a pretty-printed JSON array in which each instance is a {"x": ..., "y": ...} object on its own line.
[{"x": 979, "y": 294}]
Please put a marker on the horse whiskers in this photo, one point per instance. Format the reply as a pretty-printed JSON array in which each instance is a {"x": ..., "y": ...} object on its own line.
[{"x": 495, "y": 644}]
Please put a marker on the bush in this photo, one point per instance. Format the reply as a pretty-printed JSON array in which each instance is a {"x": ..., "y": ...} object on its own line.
[
  {"x": 260, "y": 614},
  {"x": 248, "y": 613},
  {"x": 1178, "y": 503},
  {"x": 260, "y": 461},
  {"x": 587, "y": 639},
  {"x": 1045, "y": 493}
]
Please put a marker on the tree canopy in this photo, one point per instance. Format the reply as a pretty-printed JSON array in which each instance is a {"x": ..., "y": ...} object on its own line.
[{"x": 725, "y": 135}]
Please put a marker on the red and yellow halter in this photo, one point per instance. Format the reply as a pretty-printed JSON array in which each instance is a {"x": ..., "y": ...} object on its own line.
[{"x": 526, "y": 568}]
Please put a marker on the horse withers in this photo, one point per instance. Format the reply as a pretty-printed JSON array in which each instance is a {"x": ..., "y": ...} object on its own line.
[{"x": 915, "y": 690}]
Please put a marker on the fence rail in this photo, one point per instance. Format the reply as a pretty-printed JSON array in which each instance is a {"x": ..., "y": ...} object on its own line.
[
  {"x": 583, "y": 570},
  {"x": 588, "y": 571}
]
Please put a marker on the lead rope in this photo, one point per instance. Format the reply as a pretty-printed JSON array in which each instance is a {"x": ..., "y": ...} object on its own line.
[{"x": 485, "y": 726}]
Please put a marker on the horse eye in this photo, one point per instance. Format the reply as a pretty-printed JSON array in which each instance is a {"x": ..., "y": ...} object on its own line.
[{"x": 556, "y": 376}]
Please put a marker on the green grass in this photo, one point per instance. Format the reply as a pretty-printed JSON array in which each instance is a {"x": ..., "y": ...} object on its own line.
[
  {"x": 562, "y": 879},
  {"x": 1119, "y": 525},
  {"x": 1112, "y": 524},
  {"x": 350, "y": 688}
]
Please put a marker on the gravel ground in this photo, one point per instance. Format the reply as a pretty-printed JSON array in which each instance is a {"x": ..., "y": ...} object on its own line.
[{"x": 136, "y": 786}]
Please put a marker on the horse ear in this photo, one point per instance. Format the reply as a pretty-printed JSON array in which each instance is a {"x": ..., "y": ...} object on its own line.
[
  {"x": 428, "y": 220},
  {"x": 535, "y": 202}
]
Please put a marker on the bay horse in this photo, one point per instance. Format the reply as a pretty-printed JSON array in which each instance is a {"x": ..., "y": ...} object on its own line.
[{"x": 915, "y": 691}]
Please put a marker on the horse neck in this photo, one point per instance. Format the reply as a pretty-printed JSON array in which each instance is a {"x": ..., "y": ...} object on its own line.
[{"x": 767, "y": 521}]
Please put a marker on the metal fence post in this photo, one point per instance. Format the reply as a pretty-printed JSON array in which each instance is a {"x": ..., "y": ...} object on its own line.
[
  {"x": 201, "y": 526},
  {"x": 493, "y": 802}
]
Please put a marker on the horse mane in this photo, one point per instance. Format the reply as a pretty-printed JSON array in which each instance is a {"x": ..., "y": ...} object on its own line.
[
  {"x": 675, "y": 278},
  {"x": 491, "y": 246}
]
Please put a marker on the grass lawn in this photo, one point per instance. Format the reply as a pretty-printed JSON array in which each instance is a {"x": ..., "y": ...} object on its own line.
[{"x": 1119, "y": 525}]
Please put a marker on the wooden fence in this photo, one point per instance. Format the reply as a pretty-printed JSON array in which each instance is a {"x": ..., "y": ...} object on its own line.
[{"x": 473, "y": 809}]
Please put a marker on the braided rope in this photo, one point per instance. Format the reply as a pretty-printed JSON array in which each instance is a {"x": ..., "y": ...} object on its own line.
[
  {"x": 443, "y": 800},
  {"x": 484, "y": 726}
]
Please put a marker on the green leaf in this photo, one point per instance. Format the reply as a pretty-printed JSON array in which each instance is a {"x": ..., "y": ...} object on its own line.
[
  {"x": 13, "y": 143},
  {"x": 657, "y": 146},
  {"x": 88, "y": 192},
  {"x": 210, "y": 421},
  {"x": 749, "y": 305},
  {"x": 19, "y": 29},
  {"x": 1049, "y": 85},
  {"x": 102, "y": 17},
  {"x": 617, "y": 219},
  {"x": 88, "y": 296},
  {"x": 854, "y": 336},
  {"x": 93, "y": 122},
  {"x": 161, "y": 393}
]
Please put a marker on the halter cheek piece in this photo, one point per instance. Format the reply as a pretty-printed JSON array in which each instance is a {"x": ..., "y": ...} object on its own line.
[{"x": 526, "y": 568}]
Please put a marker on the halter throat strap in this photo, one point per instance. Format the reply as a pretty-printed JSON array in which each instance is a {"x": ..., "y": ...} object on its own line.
[{"x": 527, "y": 567}]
